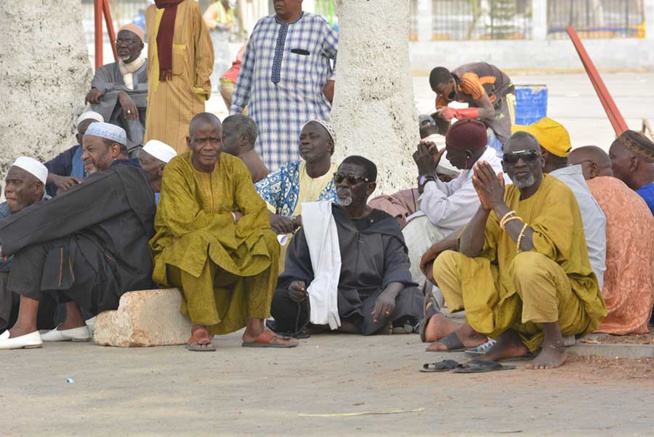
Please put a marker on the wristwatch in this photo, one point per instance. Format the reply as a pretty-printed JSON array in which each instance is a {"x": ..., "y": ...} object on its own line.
[{"x": 423, "y": 179}]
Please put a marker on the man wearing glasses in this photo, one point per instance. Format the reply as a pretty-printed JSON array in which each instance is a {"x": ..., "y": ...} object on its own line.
[
  {"x": 355, "y": 273},
  {"x": 522, "y": 269},
  {"x": 119, "y": 90}
]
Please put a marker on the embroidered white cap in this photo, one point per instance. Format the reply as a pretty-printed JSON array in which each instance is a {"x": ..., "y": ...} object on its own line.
[
  {"x": 32, "y": 166},
  {"x": 108, "y": 131},
  {"x": 160, "y": 150}
]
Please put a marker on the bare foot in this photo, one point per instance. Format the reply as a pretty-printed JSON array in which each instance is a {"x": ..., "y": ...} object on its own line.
[
  {"x": 468, "y": 336},
  {"x": 552, "y": 356},
  {"x": 438, "y": 327},
  {"x": 200, "y": 339},
  {"x": 17, "y": 331},
  {"x": 509, "y": 345}
]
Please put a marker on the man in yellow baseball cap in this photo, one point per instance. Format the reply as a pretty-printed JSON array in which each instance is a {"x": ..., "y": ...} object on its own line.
[{"x": 555, "y": 146}]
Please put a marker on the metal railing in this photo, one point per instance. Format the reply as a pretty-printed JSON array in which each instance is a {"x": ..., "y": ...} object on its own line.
[
  {"x": 477, "y": 19},
  {"x": 596, "y": 18}
]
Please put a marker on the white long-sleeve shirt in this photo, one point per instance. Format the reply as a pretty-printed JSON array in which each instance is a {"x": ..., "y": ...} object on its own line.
[{"x": 451, "y": 205}]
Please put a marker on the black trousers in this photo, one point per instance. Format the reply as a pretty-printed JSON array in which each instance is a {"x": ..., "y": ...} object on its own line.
[
  {"x": 289, "y": 315},
  {"x": 72, "y": 269}
]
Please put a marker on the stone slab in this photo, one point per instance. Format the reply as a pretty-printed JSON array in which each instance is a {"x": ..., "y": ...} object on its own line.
[
  {"x": 612, "y": 351},
  {"x": 144, "y": 318}
]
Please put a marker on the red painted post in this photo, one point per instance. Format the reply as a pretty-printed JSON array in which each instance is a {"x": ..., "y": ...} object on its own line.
[
  {"x": 611, "y": 109},
  {"x": 97, "y": 22},
  {"x": 110, "y": 28}
]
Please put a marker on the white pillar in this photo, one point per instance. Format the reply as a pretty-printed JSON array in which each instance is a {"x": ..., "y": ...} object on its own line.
[
  {"x": 539, "y": 20},
  {"x": 45, "y": 75},
  {"x": 374, "y": 113}
]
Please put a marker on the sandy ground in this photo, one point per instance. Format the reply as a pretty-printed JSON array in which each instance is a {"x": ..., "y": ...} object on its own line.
[{"x": 329, "y": 385}]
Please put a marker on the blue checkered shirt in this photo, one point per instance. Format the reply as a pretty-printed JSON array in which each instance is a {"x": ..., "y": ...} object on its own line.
[{"x": 284, "y": 70}]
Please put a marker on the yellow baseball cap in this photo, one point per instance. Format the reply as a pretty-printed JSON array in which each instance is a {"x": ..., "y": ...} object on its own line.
[{"x": 551, "y": 135}]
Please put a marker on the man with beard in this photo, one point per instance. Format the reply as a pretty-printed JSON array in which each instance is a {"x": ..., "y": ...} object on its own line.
[
  {"x": 351, "y": 271},
  {"x": 88, "y": 246},
  {"x": 523, "y": 274},
  {"x": 119, "y": 90}
]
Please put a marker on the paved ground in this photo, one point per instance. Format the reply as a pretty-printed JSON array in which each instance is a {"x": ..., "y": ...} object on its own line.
[{"x": 309, "y": 390}]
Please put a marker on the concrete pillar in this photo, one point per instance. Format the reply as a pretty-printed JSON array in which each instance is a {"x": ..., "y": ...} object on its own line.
[
  {"x": 649, "y": 20},
  {"x": 45, "y": 75},
  {"x": 539, "y": 20},
  {"x": 374, "y": 113},
  {"x": 425, "y": 20}
]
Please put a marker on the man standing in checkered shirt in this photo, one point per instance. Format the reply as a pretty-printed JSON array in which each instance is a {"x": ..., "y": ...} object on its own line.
[{"x": 286, "y": 78}]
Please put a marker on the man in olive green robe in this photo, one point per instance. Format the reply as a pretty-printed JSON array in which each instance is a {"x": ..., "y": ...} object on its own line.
[
  {"x": 213, "y": 241},
  {"x": 522, "y": 272}
]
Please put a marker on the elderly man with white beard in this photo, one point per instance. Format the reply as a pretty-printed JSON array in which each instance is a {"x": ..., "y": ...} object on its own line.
[{"x": 349, "y": 272}]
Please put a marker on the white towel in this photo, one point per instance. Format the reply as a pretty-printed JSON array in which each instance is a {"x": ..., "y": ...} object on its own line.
[{"x": 322, "y": 238}]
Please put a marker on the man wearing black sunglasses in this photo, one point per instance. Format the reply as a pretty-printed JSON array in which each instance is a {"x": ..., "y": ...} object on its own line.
[
  {"x": 375, "y": 291},
  {"x": 523, "y": 269}
]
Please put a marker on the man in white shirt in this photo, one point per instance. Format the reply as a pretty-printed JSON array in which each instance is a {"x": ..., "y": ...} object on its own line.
[
  {"x": 447, "y": 206},
  {"x": 555, "y": 147}
]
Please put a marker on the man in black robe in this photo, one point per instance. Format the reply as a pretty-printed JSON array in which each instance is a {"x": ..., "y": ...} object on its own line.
[
  {"x": 375, "y": 290},
  {"x": 88, "y": 246}
]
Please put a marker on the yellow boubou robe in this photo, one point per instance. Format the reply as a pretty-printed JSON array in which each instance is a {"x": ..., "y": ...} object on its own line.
[
  {"x": 173, "y": 103},
  {"x": 486, "y": 286},
  {"x": 227, "y": 270}
]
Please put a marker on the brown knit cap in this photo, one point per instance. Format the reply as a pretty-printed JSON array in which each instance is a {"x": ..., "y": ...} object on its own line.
[
  {"x": 637, "y": 143},
  {"x": 467, "y": 134}
]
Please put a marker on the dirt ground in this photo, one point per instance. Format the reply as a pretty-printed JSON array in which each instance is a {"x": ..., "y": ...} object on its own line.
[{"x": 329, "y": 385}]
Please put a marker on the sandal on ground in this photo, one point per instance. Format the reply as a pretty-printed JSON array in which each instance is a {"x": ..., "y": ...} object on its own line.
[
  {"x": 441, "y": 366},
  {"x": 266, "y": 338},
  {"x": 452, "y": 343},
  {"x": 479, "y": 366},
  {"x": 200, "y": 341}
]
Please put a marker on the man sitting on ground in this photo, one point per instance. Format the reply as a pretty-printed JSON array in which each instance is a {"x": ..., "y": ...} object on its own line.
[
  {"x": 24, "y": 186},
  {"x": 632, "y": 160},
  {"x": 67, "y": 169},
  {"x": 213, "y": 241},
  {"x": 347, "y": 267},
  {"x": 97, "y": 230},
  {"x": 446, "y": 207},
  {"x": 629, "y": 278},
  {"x": 555, "y": 148},
  {"x": 240, "y": 135},
  {"x": 119, "y": 90},
  {"x": 153, "y": 158},
  {"x": 523, "y": 271}
]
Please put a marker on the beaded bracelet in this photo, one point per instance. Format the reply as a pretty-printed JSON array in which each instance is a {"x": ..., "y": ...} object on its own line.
[
  {"x": 509, "y": 219},
  {"x": 522, "y": 234},
  {"x": 505, "y": 217}
]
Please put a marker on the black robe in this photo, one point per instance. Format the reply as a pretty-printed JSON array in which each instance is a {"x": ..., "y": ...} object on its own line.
[
  {"x": 373, "y": 255},
  {"x": 90, "y": 243}
]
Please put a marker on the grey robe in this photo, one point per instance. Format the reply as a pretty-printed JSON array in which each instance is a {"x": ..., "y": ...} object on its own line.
[
  {"x": 371, "y": 259},
  {"x": 109, "y": 80}
]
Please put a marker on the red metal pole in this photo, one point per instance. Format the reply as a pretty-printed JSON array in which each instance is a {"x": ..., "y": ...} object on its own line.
[
  {"x": 97, "y": 20},
  {"x": 611, "y": 109},
  {"x": 110, "y": 28}
]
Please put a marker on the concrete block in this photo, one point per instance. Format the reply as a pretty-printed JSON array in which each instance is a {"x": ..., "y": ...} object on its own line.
[
  {"x": 144, "y": 318},
  {"x": 612, "y": 351}
]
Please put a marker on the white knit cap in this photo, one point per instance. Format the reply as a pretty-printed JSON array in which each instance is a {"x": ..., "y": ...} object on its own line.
[
  {"x": 32, "y": 166},
  {"x": 89, "y": 115},
  {"x": 160, "y": 150},
  {"x": 108, "y": 131}
]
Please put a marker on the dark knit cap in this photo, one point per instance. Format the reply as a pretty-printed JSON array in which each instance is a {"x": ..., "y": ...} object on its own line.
[
  {"x": 637, "y": 143},
  {"x": 467, "y": 134}
]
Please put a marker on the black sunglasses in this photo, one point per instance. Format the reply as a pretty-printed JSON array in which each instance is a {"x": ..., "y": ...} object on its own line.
[
  {"x": 512, "y": 158},
  {"x": 351, "y": 179}
]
